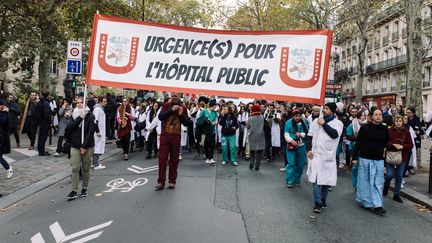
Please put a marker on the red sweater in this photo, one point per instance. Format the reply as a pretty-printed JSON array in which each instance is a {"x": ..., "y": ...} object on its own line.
[{"x": 402, "y": 137}]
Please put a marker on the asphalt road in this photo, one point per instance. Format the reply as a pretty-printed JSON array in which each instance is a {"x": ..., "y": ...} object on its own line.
[{"x": 210, "y": 204}]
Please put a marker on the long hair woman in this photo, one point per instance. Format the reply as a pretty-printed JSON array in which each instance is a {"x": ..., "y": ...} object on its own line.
[
  {"x": 399, "y": 141},
  {"x": 124, "y": 118}
]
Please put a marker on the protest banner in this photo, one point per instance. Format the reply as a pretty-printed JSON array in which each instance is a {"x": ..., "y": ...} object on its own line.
[{"x": 277, "y": 65}]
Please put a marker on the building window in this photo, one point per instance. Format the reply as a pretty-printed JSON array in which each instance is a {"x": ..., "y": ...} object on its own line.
[
  {"x": 385, "y": 56},
  {"x": 53, "y": 68},
  {"x": 369, "y": 60},
  {"x": 396, "y": 26},
  {"x": 427, "y": 74},
  {"x": 376, "y": 58}
]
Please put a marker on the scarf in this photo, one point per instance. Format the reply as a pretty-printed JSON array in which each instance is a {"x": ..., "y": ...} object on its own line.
[{"x": 328, "y": 119}]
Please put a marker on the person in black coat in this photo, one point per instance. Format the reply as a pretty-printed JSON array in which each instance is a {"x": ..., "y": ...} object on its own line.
[
  {"x": 4, "y": 137},
  {"x": 44, "y": 122},
  {"x": 81, "y": 152},
  {"x": 14, "y": 113}
]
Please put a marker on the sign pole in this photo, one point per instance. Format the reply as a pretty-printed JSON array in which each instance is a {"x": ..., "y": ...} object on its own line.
[{"x": 85, "y": 106}]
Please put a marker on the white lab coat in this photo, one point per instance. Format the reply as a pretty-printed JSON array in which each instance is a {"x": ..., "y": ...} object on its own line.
[
  {"x": 155, "y": 123},
  {"x": 413, "y": 159},
  {"x": 243, "y": 118},
  {"x": 99, "y": 114},
  {"x": 322, "y": 168},
  {"x": 276, "y": 131}
]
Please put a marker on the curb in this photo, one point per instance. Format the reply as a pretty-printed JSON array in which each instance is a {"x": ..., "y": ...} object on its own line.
[
  {"x": 27, "y": 191},
  {"x": 415, "y": 196}
]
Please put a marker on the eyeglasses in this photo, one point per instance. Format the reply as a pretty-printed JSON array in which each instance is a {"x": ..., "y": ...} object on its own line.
[{"x": 79, "y": 102}]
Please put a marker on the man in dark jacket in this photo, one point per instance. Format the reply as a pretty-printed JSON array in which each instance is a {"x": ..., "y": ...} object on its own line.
[
  {"x": 31, "y": 122},
  {"x": 172, "y": 116},
  {"x": 110, "y": 112},
  {"x": 4, "y": 138},
  {"x": 81, "y": 152},
  {"x": 14, "y": 113},
  {"x": 44, "y": 122}
]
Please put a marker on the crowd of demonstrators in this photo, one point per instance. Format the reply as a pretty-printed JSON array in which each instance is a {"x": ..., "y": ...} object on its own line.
[{"x": 287, "y": 133}]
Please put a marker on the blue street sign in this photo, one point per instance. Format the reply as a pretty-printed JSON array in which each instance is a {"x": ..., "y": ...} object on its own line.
[{"x": 74, "y": 66}]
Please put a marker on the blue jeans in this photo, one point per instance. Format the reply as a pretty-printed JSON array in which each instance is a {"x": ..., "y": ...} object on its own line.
[
  {"x": 397, "y": 173},
  {"x": 320, "y": 193},
  {"x": 4, "y": 162}
]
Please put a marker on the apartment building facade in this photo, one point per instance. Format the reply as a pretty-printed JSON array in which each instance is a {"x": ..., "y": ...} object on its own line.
[{"x": 385, "y": 59}]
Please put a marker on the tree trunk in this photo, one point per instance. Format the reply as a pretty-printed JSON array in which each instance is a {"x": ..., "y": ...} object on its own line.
[
  {"x": 414, "y": 55},
  {"x": 361, "y": 59},
  {"x": 44, "y": 71}
]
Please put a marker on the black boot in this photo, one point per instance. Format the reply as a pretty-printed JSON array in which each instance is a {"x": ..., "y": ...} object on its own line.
[
  {"x": 386, "y": 188},
  {"x": 397, "y": 198}
]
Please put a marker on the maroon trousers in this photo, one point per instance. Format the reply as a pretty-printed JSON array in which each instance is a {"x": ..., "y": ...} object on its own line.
[{"x": 169, "y": 148}]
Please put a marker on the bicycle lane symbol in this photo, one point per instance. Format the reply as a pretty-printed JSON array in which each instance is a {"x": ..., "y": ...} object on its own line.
[{"x": 122, "y": 185}]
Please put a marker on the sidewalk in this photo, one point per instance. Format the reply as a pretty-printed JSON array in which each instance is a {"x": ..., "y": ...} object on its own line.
[
  {"x": 33, "y": 172},
  {"x": 417, "y": 186}
]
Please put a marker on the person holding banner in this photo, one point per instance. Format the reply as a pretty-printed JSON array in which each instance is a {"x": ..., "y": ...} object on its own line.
[
  {"x": 124, "y": 119},
  {"x": 81, "y": 152},
  {"x": 172, "y": 115},
  {"x": 324, "y": 134}
]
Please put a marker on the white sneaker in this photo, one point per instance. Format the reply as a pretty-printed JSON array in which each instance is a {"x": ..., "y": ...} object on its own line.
[
  {"x": 212, "y": 161},
  {"x": 207, "y": 161},
  {"x": 91, "y": 166},
  {"x": 235, "y": 163},
  {"x": 180, "y": 157},
  {"x": 282, "y": 169},
  {"x": 9, "y": 173},
  {"x": 57, "y": 155},
  {"x": 341, "y": 166},
  {"x": 403, "y": 184},
  {"x": 223, "y": 162},
  {"x": 99, "y": 167}
]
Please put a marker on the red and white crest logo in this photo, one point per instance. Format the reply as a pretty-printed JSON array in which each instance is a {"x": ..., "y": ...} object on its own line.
[
  {"x": 300, "y": 68},
  {"x": 117, "y": 54}
]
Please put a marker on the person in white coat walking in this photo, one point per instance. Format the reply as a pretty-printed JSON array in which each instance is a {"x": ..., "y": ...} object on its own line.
[
  {"x": 100, "y": 134},
  {"x": 322, "y": 172}
]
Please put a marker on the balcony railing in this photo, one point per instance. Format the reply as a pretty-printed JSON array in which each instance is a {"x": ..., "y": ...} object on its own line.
[
  {"x": 426, "y": 84},
  {"x": 386, "y": 41},
  {"x": 393, "y": 88},
  {"x": 367, "y": 92},
  {"x": 390, "y": 63},
  {"x": 383, "y": 90},
  {"x": 375, "y": 91},
  {"x": 404, "y": 32},
  {"x": 388, "y": 14},
  {"x": 395, "y": 36},
  {"x": 403, "y": 87}
]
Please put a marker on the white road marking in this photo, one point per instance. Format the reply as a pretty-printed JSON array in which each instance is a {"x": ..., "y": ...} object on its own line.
[
  {"x": 57, "y": 232},
  {"x": 86, "y": 231},
  {"x": 26, "y": 152},
  {"x": 88, "y": 238},
  {"x": 37, "y": 238},
  {"x": 60, "y": 236},
  {"x": 139, "y": 170},
  {"x": 8, "y": 159},
  {"x": 125, "y": 186}
]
